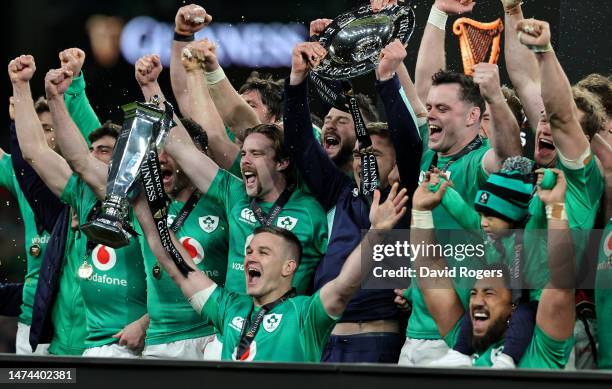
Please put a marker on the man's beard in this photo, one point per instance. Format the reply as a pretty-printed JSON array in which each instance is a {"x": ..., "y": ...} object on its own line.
[
  {"x": 344, "y": 156},
  {"x": 493, "y": 334}
]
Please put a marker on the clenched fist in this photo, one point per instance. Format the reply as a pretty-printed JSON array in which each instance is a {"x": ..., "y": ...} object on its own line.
[
  {"x": 378, "y": 5},
  {"x": 21, "y": 69},
  {"x": 200, "y": 55},
  {"x": 486, "y": 75},
  {"x": 57, "y": 81},
  {"x": 318, "y": 26},
  {"x": 147, "y": 69},
  {"x": 305, "y": 56},
  {"x": 72, "y": 59},
  {"x": 532, "y": 32},
  {"x": 390, "y": 58},
  {"x": 191, "y": 19}
]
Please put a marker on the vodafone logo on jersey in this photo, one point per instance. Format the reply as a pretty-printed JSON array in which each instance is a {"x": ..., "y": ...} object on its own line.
[
  {"x": 194, "y": 248},
  {"x": 104, "y": 258}
]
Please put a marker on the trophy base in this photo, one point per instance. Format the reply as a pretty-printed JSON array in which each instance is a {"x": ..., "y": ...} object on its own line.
[{"x": 106, "y": 232}]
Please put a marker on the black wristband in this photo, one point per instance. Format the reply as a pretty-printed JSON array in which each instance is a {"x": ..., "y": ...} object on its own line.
[{"x": 183, "y": 38}]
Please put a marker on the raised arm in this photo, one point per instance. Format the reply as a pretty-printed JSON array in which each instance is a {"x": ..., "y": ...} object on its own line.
[
  {"x": 188, "y": 20},
  {"x": 195, "y": 280},
  {"x": 324, "y": 179},
  {"x": 224, "y": 151},
  {"x": 567, "y": 133},
  {"x": 336, "y": 294},
  {"x": 557, "y": 308},
  {"x": 522, "y": 65},
  {"x": 49, "y": 165},
  {"x": 504, "y": 134},
  {"x": 439, "y": 292},
  {"x": 70, "y": 140},
  {"x": 432, "y": 56},
  {"x": 235, "y": 112},
  {"x": 404, "y": 133},
  {"x": 75, "y": 97}
]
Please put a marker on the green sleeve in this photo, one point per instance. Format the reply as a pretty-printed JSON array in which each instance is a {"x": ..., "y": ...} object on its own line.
[
  {"x": 584, "y": 190},
  {"x": 461, "y": 211},
  {"x": 226, "y": 190},
  {"x": 317, "y": 324},
  {"x": 546, "y": 352},
  {"x": 316, "y": 131},
  {"x": 79, "y": 107},
  {"x": 70, "y": 195},
  {"x": 216, "y": 308},
  {"x": 235, "y": 168},
  {"x": 7, "y": 175},
  {"x": 230, "y": 134},
  {"x": 451, "y": 337}
]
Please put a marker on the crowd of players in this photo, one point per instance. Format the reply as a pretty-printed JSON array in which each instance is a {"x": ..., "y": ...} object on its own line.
[{"x": 263, "y": 202}]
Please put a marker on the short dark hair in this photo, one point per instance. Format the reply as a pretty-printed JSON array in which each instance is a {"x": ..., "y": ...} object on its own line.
[
  {"x": 275, "y": 134},
  {"x": 378, "y": 128},
  {"x": 270, "y": 90},
  {"x": 107, "y": 129},
  {"x": 601, "y": 86},
  {"x": 286, "y": 235},
  {"x": 594, "y": 119},
  {"x": 196, "y": 132},
  {"x": 41, "y": 105},
  {"x": 469, "y": 90}
]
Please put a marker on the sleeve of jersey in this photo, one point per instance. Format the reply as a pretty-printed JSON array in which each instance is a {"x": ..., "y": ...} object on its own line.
[
  {"x": 317, "y": 325},
  {"x": 451, "y": 337},
  {"x": 461, "y": 211},
  {"x": 584, "y": 189},
  {"x": 226, "y": 189},
  {"x": 79, "y": 107},
  {"x": 7, "y": 175},
  {"x": 215, "y": 308},
  {"x": 235, "y": 168},
  {"x": 404, "y": 133},
  {"x": 70, "y": 194},
  {"x": 476, "y": 171},
  {"x": 546, "y": 352},
  {"x": 318, "y": 171}
]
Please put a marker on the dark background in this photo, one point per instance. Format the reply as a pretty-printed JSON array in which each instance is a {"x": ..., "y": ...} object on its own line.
[{"x": 581, "y": 36}]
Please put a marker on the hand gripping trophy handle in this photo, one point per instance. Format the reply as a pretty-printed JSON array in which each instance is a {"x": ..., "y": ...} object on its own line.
[{"x": 142, "y": 122}]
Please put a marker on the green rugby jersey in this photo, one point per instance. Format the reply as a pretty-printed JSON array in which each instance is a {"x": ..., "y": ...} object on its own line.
[
  {"x": 114, "y": 295},
  {"x": 205, "y": 236},
  {"x": 9, "y": 182},
  {"x": 543, "y": 351},
  {"x": 302, "y": 215},
  {"x": 467, "y": 174},
  {"x": 68, "y": 315},
  {"x": 603, "y": 299},
  {"x": 295, "y": 330}
]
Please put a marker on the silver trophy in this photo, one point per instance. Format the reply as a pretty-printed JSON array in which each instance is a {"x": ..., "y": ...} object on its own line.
[
  {"x": 355, "y": 39},
  {"x": 142, "y": 123}
]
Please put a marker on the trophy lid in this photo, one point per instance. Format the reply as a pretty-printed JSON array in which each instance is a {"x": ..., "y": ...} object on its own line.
[{"x": 355, "y": 39}]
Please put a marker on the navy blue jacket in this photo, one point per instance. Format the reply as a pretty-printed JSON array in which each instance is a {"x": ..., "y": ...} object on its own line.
[
  {"x": 10, "y": 299},
  {"x": 55, "y": 218},
  {"x": 333, "y": 188}
]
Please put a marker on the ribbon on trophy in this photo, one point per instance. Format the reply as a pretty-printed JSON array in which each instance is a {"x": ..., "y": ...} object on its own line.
[
  {"x": 150, "y": 173},
  {"x": 353, "y": 42}
]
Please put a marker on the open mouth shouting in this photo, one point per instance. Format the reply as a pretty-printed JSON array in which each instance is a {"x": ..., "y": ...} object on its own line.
[
  {"x": 253, "y": 272},
  {"x": 250, "y": 178},
  {"x": 166, "y": 174},
  {"x": 480, "y": 320},
  {"x": 331, "y": 141},
  {"x": 435, "y": 132}
]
